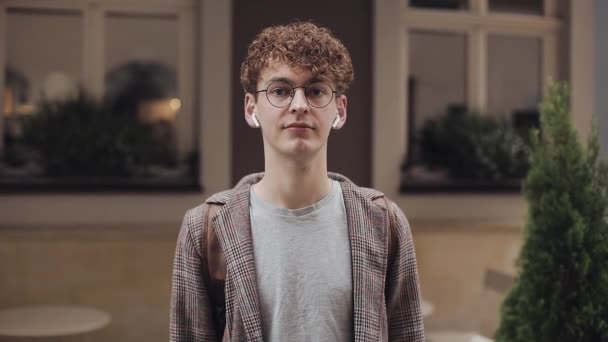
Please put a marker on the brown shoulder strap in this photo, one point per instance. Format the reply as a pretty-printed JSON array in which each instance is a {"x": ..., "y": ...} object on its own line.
[
  {"x": 209, "y": 239},
  {"x": 215, "y": 258},
  {"x": 216, "y": 269}
]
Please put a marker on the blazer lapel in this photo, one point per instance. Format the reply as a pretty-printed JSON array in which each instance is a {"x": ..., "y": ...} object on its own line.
[
  {"x": 233, "y": 229},
  {"x": 368, "y": 237}
]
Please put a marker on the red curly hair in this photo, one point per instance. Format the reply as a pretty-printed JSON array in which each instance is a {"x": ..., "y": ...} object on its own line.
[{"x": 302, "y": 45}]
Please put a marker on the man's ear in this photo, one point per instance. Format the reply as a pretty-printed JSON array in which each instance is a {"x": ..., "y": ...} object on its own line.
[
  {"x": 341, "y": 105},
  {"x": 250, "y": 109}
]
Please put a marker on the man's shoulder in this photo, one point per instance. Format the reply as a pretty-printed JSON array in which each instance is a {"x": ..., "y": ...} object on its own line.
[
  {"x": 371, "y": 194},
  {"x": 219, "y": 197},
  {"x": 377, "y": 197}
]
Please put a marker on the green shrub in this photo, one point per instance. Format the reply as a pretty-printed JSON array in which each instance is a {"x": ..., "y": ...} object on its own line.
[
  {"x": 561, "y": 293},
  {"x": 78, "y": 137},
  {"x": 474, "y": 146}
]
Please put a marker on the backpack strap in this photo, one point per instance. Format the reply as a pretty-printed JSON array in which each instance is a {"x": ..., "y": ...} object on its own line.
[{"x": 214, "y": 272}]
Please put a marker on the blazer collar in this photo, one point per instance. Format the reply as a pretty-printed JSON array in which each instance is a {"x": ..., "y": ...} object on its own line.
[{"x": 367, "y": 224}]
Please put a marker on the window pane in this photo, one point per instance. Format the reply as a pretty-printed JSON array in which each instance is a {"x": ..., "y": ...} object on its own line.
[
  {"x": 44, "y": 62},
  {"x": 514, "y": 74},
  {"x": 441, "y": 4},
  {"x": 436, "y": 84},
  {"x": 142, "y": 82},
  {"x": 534, "y": 7},
  {"x": 56, "y": 35},
  {"x": 437, "y": 74}
]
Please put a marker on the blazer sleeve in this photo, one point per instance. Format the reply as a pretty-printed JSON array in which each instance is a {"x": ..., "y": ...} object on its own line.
[
  {"x": 404, "y": 315},
  {"x": 191, "y": 313}
]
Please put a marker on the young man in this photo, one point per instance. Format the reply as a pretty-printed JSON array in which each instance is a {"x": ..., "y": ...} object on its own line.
[{"x": 296, "y": 253}]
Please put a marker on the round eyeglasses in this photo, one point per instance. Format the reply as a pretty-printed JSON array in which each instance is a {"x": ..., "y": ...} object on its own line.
[{"x": 280, "y": 94}]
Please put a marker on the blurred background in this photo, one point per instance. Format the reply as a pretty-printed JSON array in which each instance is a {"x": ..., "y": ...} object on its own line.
[{"x": 117, "y": 116}]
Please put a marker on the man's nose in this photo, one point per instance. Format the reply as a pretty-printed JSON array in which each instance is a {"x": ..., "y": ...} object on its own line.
[{"x": 299, "y": 103}]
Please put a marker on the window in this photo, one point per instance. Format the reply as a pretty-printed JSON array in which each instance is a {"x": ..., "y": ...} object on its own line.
[
  {"x": 437, "y": 80},
  {"x": 473, "y": 78},
  {"x": 99, "y": 95}
]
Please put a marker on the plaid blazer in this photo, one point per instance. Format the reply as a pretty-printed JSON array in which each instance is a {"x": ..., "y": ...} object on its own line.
[{"x": 386, "y": 294}]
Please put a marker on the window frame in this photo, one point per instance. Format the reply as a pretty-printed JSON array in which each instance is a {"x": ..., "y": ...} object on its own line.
[
  {"x": 392, "y": 20},
  {"x": 132, "y": 209}
]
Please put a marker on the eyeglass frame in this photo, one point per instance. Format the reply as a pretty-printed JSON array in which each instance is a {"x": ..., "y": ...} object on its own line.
[{"x": 293, "y": 93}]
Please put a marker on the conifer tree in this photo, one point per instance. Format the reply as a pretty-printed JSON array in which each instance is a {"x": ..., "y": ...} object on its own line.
[{"x": 561, "y": 292}]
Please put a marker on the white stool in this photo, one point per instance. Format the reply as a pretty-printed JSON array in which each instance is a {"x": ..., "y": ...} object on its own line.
[
  {"x": 427, "y": 308},
  {"x": 50, "y": 321}
]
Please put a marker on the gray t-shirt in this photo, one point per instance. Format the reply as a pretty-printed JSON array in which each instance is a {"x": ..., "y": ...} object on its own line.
[{"x": 303, "y": 269}]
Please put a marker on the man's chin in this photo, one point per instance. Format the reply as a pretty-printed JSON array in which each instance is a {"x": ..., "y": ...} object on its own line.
[{"x": 302, "y": 150}]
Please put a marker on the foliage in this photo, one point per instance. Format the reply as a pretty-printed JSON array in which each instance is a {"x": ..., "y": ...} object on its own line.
[
  {"x": 474, "y": 146},
  {"x": 78, "y": 137},
  {"x": 561, "y": 293}
]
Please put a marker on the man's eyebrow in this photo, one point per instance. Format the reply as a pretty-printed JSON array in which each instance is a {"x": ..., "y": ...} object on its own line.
[
  {"x": 280, "y": 79},
  {"x": 287, "y": 80}
]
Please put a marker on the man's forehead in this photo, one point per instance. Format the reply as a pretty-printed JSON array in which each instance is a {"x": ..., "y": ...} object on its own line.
[{"x": 285, "y": 72}]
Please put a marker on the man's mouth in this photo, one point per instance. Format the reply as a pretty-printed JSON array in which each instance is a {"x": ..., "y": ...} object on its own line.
[{"x": 298, "y": 125}]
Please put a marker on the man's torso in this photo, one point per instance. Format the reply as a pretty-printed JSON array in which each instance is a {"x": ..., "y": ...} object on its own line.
[{"x": 303, "y": 269}]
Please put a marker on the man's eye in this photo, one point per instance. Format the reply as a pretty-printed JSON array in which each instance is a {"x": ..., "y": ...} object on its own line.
[
  {"x": 280, "y": 92},
  {"x": 316, "y": 92}
]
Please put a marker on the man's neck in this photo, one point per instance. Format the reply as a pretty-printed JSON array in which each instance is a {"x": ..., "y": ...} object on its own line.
[{"x": 293, "y": 184}]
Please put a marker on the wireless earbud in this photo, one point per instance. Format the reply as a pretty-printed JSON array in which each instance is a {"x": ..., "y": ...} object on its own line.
[
  {"x": 334, "y": 125},
  {"x": 255, "y": 120}
]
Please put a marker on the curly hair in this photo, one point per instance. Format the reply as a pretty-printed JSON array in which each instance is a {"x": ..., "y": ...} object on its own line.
[{"x": 299, "y": 44}]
